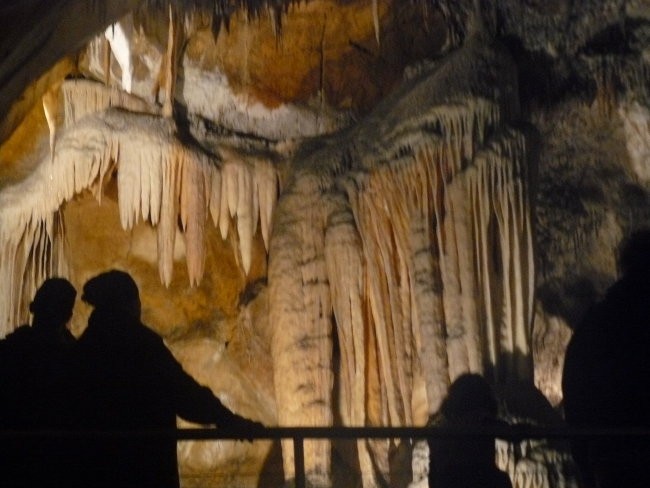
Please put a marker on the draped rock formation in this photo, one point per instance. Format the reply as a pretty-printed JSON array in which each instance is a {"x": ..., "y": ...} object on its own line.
[
  {"x": 161, "y": 180},
  {"x": 332, "y": 208},
  {"x": 407, "y": 238}
]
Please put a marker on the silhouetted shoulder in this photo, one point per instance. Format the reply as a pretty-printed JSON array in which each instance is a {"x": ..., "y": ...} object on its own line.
[
  {"x": 606, "y": 377},
  {"x": 19, "y": 335}
]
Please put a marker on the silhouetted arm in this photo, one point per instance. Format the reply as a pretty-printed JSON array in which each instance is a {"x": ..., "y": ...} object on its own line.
[
  {"x": 191, "y": 400},
  {"x": 196, "y": 403}
]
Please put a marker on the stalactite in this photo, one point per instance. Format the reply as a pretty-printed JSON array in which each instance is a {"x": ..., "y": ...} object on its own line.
[
  {"x": 461, "y": 215},
  {"x": 375, "y": 19},
  {"x": 441, "y": 197},
  {"x": 159, "y": 180},
  {"x": 344, "y": 259},
  {"x": 224, "y": 207},
  {"x": 195, "y": 178},
  {"x": 445, "y": 209},
  {"x": 507, "y": 184},
  {"x": 429, "y": 320},
  {"x": 31, "y": 226},
  {"x": 50, "y": 108},
  {"x": 106, "y": 60},
  {"x": 119, "y": 45},
  {"x": 215, "y": 197},
  {"x": 383, "y": 285},
  {"x": 457, "y": 352},
  {"x": 151, "y": 176},
  {"x": 169, "y": 64},
  {"x": 266, "y": 180},
  {"x": 245, "y": 228},
  {"x": 231, "y": 183},
  {"x": 421, "y": 196},
  {"x": 166, "y": 179},
  {"x": 392, "y": 238},
  {"x": 433, "y": 291},
  {"x": 166, "y": 229},
  {"x": 83, "y": 97}
]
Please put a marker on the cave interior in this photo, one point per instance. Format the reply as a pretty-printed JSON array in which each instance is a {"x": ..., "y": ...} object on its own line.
[{"x": 332, "y": 208}]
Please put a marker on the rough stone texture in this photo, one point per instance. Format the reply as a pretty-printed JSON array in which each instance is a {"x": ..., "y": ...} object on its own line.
[
  {"x": 590, "y": 196},
  {"x": 583, "y": 87}
]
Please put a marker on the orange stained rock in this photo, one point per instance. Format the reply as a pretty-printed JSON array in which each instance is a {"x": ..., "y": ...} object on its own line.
[{"x": 326, "y": 48}]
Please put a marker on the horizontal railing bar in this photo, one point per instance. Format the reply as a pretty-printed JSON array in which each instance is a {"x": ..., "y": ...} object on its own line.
[{"x": 511, "y": 433}]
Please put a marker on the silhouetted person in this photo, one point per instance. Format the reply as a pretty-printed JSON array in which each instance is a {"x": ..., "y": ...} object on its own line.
[
  {"x": 129, "y": 380},
  {"x": 606, "y": 380},
  {"x": 466, "y": 462},
  {"x": 33, "y": 389}
]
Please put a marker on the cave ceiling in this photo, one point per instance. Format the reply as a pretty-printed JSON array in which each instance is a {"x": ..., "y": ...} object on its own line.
[{"x": 352, "y": 53}]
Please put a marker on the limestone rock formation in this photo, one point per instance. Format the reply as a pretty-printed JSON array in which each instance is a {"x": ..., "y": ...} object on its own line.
[{"x": 332, "y": 208}]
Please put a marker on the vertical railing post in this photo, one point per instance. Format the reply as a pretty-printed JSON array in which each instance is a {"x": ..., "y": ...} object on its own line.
[{"x": 299, "y": 461}]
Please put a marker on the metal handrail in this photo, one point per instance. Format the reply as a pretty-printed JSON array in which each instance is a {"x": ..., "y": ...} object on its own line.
[{"x": 511, "y": 433}]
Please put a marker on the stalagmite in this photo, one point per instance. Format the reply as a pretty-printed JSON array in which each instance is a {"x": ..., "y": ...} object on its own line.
[{"x": 303, "y": 342}]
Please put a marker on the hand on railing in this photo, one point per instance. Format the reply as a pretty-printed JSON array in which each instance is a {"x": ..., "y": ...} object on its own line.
[{"x": 246, "y": 428}]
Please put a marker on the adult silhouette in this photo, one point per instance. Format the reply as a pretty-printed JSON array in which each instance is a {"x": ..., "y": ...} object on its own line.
[
  {"x": 606, "y": 378},
  {"x": 469, "y": 462},
  {"x": 33, "y": 390},
  {"x": 127, "y": 380}
]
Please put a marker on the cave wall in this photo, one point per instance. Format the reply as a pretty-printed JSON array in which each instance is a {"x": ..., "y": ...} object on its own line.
[{"x": 379, "y": 125}]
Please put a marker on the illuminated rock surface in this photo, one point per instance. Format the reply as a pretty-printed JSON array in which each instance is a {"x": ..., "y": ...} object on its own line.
[{"x": 347, "y": 204}]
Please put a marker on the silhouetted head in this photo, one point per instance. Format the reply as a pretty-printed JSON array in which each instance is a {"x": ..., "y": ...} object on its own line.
[
  {"x": 470, "y": 393},
  {"x": 53, "y": 303},
  {"x": 635, "y": 254},
  {"x": 113, "y": 291}
]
